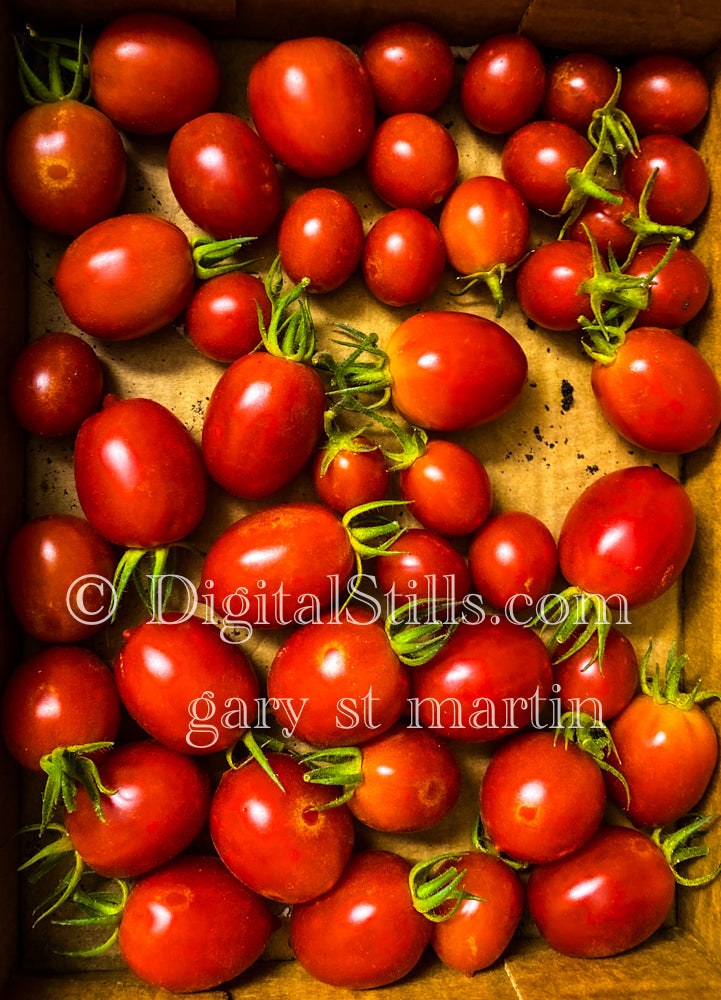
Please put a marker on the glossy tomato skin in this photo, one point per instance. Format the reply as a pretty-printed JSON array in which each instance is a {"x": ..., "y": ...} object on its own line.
[
  {"x": 54, "y": 384},
  {"x": 577, "y": 84},
  {"x": 312, "y": 103},
  {"x": 452, "y": 371},
  {"x": 279, "y": 843},
  {"x": 629, "y": 533},
  {"x": 139, "y": 474},
  {"x": 659, "y": 392},
  {"x": 222, "y": 321},
  {"x": 502, "y": 84},
  {"x": 351, "y": 478},
  {"x": 423, "y": 566},
  {"x": 159, "y": 806},
  {"x": 448, "y": 489},
  {"x": 65, "y": 166},
  {"x": 681, "y": 189},
  {"x": 536, "y": 158},
  {"x": 158, "y": 934},
  {"x": 664, "y": 93},
  {"x": 410, "y": 67},
  {"x": 364, "y": 932},
  {"x": 604, "y": 222},
  {"x": 103, "y": 278},
  {"x": 58, "y": 697},
  {"x": 321, "y": 238},
  {"x": 262, "y": 423},
  {"x": 609, "y": 896},
  {"x": 152, "y": 72},
  {"x": 404, "y": 257},
  {"x": 600, "y": 690},
  {"x": 678, "y": 292},
  {"x": 548, "y": 282},
  {"x": 224, "y": 177},
  {"x": 412, "y": 161},
  {"x": 59, "y": 572}
]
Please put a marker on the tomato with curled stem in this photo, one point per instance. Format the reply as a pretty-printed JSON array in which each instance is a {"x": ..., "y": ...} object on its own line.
[
  {"x": 222, "y": 318},
  {"x": 351, "y": 472},
  {"x": 425, "y": 567},
  {"x": 548, "y": 284},
  {"x": 597, "y": 686},
  {"x": 411, "y": 67},
  {"x": 577, "y": 84},
  {"x": 502, "y": 84},
  {"x": 321, "y": 239},
  {"x": 681, "y": 189},
  {"x": 404, "y": 257},
  {"x": 678, "y": 292},
  {"x": 536, "y": 159},
  {"x": 664, "y": 93},
  {"x": 412, "y": 161}
]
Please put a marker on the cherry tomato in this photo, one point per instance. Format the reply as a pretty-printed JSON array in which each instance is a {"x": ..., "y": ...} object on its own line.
[
  {"x": 311, "y": 100},
  {"x": 352, "y": 477},
  {"x": 222, "y": 317},
  {"x": 321, "y": 238},
  {"x": 681, "y": 189},
  {"x": 659, "y": 392},
  {"x": 224, "y": 177},
  {"x": 598, "y": 689},
  {"x": 678, "y": 292},
  {"x": 60, "y": 696},
  {"x": 426, "y": 568},
  {"x": 502, "y": 85},
  {"x": 576, "y": 85},
  {"x": 59, "y": 570},
  {"x": 151, "y": 72},
  {"x": 54, "y": 384},
  {"x": 609, "y": 896},
  {"x": 159, "y": 935},
  {"x": 364, "y": 932},
  {"x": 448, "y": 489},
  {"x": 548, "y": 283},
  {"x": 139, "y": 474},
  {"x": 604, "y": 222},
  {"x": 281, "y": 843},
  {"x": 404, "y": 257},
  {"x": 411, "y": 67},
  {"x": 65, "y": 166},
  {"x": 536, "y": 159},
  {"x": 412, "y": 161},
  {"x": 664, "y": 93}
]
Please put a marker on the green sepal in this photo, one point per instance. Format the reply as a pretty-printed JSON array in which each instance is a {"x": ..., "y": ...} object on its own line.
[
  {"x": 340, "y": 766},
  {"x": 480, "y": 842},
  {"x": 290, "y": 333},
  {"x": 357, "y": 373},
  {"x": 675, "y": 849},
  {"x": 51, "y": 50},
  {"x": 492, "y": 278},
  {"x": 211, "y": 257},
  {"x": 611, "y": 130},
  {"x": 45, "y": 861},
  {"x": 590, "y": 616},
  {"x": 66, "y": 768},
  {"x": 255, "y": 752},
  {"x": 667, "y": 689},
  {"x": 339, "y": 440},
  {"x": 594, "y": 738},
  {"x": 429, "y": 891},
  {"x": 100, "y": 909},
  {"x": 644, "y": 227},
  {"x": 414, "y": 642}
]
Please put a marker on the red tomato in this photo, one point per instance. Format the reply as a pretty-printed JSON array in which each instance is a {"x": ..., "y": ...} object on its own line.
[
  {"x": 548, "y": 283},
  {"x": 678, "y": 292},
  {"x": 138, "y": 473},
  {"x": 681, "y": 189},
  {"x": 426, "y": 568},
  {"x": 311, "y": 100},
  {"x": 410, "y": 66},
  {"x": 159, "y": 935},
  {"x": 351, "y": 477},
  {"x": 59, "y": 572},
  {"x": 448, "y": 489},
  {"x": 61, "y": 696},
  {"x": 604, "y": 222},
  {"x": 151, "y": 72},
  {"x": 412, "y": 161},
  {"x": 404, "y": 257},
  {"x": 222, "y": 317},
  {"x": 364, "y": 932},
  {"x": 126, "y": 277},
  {"x": 452, "y": 371},
  {"x": 659, "y": 392},
  {"x": 321, "y": 238},
  {"x": 281, "y": 843},
  {"x": 65, "y": 166},
  {"x": 224, "y": 177},
  {"x": 598, "y": 689},
  {"x": 54, "y": 384},
  {"x": 577, "y": 84},
  {"x": 664, "y": 93},
  {"x": 536, "y": 159},
  {"x": 609, "y": 896},
  {"x": 502, "y": 84}
]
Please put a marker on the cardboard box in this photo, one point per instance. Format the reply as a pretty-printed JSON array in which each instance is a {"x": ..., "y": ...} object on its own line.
[{"x": 539, "y": 458}]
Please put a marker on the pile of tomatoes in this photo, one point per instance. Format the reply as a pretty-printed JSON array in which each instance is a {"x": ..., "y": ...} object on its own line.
[{"x": 258, "y": 641}]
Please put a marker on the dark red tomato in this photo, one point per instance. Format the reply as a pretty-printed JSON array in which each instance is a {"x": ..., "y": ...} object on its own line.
[
  {"x": 404, "y": 257},
  {"x": 352, "y": 477},
  {"x": 126, "y": 277},
  {"x": 139, "y": 474},
  {"x": 412, "y": 161},
  {"x": 311, "y": 100},
  {"x": 159, "y": 935},
  {"x": 59, "y": 572},
  {"x": 502, "y": 84},
  {"x": 481, "y": 929},
  {"x": 410, "y": 782},
  {"x": 365, "y": 932},
  {"x": 678, "y": 292},
  {"x": 262, "y": 424},
  {"x": 681, "y": 189},
  {"x": 541, "y": 798},
  {"x": 609, "y": 896},
  {"x": 548, "y": 283},
  {"x": 659, "y": 392},
  {"x": 513, "y": 561},
  {"x": 150, "y": 72},
  {"x": 61, "y": 696},
  {"x": 337, "y": 682},
  {"x": 604, "y": 222},
  {"x": 54, "y": 384},
  {"x": 222, "y": 317},
  {"x": 321, "y": 238},
  {"x": 448, "y": 489},
  {"x": 224, "y": 177},
  {"x": 536, "y": 159},
  {"x": 159, "y": 805},
  {"x": 280, "y": 842},
  {"x": 490, "y": 679},
  {"x": 187, "y": 686},
  {"x": 277, "y": 565},
  {"x": 627, "y": 535},
  {"x": 65, "y": 166},
  {"x": 411, "y": 67},
  {"x": 452, "y": 371},
  {"x": 597, "y": 689},
  {"x": 576, "y": 85},
  {"x": 426, "y": 567},
  {"x": 664, "y": 93}
]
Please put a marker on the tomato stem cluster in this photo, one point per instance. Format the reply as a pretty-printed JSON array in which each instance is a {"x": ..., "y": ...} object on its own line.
[{"x": 34, "y": 89}]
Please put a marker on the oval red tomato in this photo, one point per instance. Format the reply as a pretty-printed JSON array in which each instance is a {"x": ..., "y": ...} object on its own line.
[
  {"x": 321, "y": 239},
  {"x": 503, "y": 83},
  {"x": 664, "y": 93},
  {"x": 536, "y": 159},
  {"x": 404, "y": 257},
  {"x": 351, "y": 477},
  {"x": 411, "y": 67},
  {"x": 678, "y": 292},
  {"x": 597, "y": 689},
  {"x": 577, "y": 84},
  {"x": 412, "y": 161},
  {"x": 548, "y": 284},
  {"x": 682, "y": 186},
  {"x": 222, "y": 318}
]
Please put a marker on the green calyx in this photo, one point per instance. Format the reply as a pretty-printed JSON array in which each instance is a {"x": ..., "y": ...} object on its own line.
[
  {"x": 594, "y": 738},
  {"x": 666, "y": 689},
  {"x": 370, "y": 533},
  {"x": 366, "y": 369},
  {"x": 573, "y": 609},
  {"x": 211, "y": 258},
  {"x": 291, "y": 332},
  {"x": 66, "y": 768},
  {"x": 414, "y": 641},
  {"x": 341, "y": 766},
  {"x": 99, "y": 909},
  {"x": 492, "y": 279},
  {"x": 340, "y": 440},
  {"x": 675, "y": 849},
  {"x": 254, "y": 752},
  {"x": 644, "y": 227},
  {"x": 45, "y": 860},
  {"x": 67, "y": 64},
  {"x": 611, "y": 131},
  {"x": 433, "y": 892},
  {"x": 584, "y": 184},
  {"x": 481, "y": 842},
  {"x": 147, "y": 569}
]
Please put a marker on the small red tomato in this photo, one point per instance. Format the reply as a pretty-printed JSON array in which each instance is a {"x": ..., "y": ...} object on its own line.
[
  {"x": 536, "y": 159},
  {"x": 577, "y": 84},
  {"x": 682, "y": 186},
  {"x": 502, "y": 84},
  {"x": 410, "y": 66},
  {"x": 600, "y": 689},
  {"x": 222, "y": 317},
  {"x": 664, "y": 93},
  {"x": 321, "y": 238},
  {"x": 352, "y": 477},
  {"x": 679, "y": 291},
  {"x": 548, "y": 284},
  {"x": 412, "y": 161},
  {"x": 448, "y": 489},
  {"x": 604, "y": 222},
  {"x": 426, "y": 567},
  {"x": 404, "y": 257}
]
